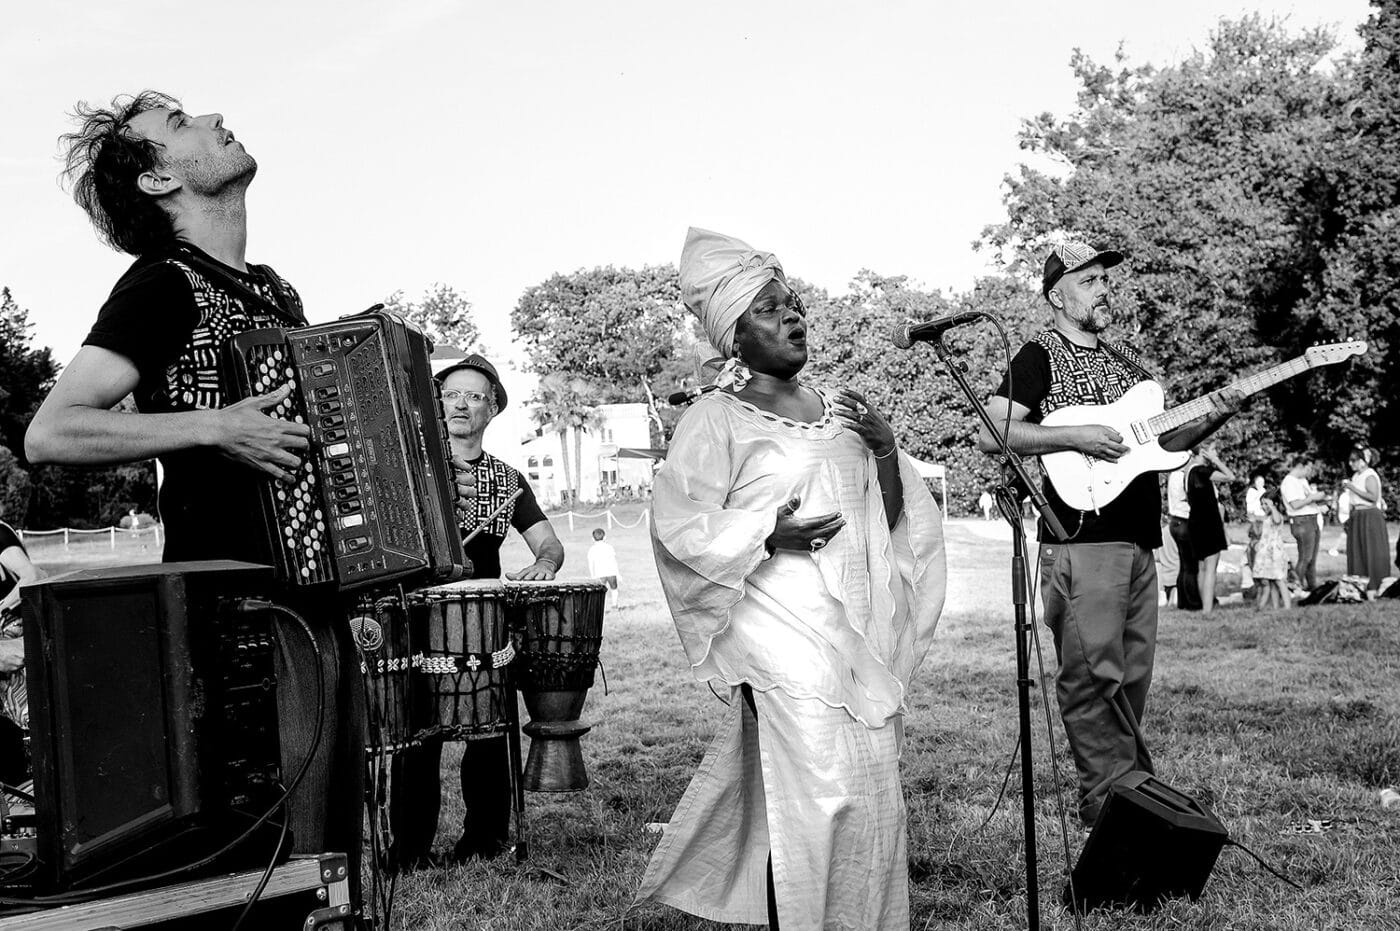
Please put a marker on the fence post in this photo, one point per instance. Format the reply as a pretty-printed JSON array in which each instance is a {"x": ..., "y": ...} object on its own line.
[
  {"x": 65, "y": 538},
  {"x": 112, "y": 536},
  {"x": 571, "y": 521},
  {"x": 608, "y": 513}
]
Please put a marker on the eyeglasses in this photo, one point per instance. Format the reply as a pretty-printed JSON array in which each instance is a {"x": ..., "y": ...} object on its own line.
[{"x": 452, "y": 396}]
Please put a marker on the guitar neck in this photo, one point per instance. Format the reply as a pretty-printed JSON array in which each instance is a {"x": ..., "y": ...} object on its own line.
[{"x": 1250, "y": 384}]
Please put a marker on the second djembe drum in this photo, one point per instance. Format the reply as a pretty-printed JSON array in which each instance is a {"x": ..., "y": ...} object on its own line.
[{"x": 558, "y": 630}]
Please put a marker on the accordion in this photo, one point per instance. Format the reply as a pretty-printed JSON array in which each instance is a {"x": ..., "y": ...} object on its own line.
[{"x": 373, "y": 501}]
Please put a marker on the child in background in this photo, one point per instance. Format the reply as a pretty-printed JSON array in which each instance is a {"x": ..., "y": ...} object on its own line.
[
  {"x": 1270, "y": 558},
  {"x": 602, "y": 564}
]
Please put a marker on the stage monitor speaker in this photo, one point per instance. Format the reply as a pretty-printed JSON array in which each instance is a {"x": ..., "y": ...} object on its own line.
[
  {"x": 153, "y": 717},
  {"x": 1150, "y": 843}
]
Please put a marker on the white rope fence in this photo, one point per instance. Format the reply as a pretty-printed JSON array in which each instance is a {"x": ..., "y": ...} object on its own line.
[
  {"x": 642, "y": 518},
  {"x": 114, "y": 533},
  {"x": 150, "y": 532}
]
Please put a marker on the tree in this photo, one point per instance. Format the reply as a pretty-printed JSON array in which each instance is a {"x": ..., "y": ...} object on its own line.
[
  {"x": 1201, "y": 173},
  {"x": 564, "y": 405},
  {"x": 14, "y": 488},
  {"x": 932, "y": 419},
  {"x": 26, "y": 374},
  {"x": 1350, "y": 281},
  {"x": 616, "y": 331},
  {"x": 443, "y": 314}
]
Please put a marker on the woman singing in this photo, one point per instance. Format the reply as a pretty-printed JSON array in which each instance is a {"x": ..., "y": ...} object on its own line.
[{"x": 802, "y": 558}]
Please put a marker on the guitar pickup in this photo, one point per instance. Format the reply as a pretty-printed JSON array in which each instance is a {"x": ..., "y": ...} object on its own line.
[{"x": 1143, "y": 434}]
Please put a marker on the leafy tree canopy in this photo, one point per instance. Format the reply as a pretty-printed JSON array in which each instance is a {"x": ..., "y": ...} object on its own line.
[
  {"x": 443, "y": 314},
  {"x": 1216, "y": 177}
]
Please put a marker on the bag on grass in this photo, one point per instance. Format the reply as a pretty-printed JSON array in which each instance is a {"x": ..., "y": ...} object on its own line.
[{"x": 1336, "y": 591}]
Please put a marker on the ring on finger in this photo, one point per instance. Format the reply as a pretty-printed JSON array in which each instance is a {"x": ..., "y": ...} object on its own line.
[
  {"x": 861, "y": 409},
  {"x": 818, "y": 543}
]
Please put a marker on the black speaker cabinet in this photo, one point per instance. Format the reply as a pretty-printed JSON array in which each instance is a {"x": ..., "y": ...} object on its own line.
[
  {"x": 1150, "y": 843},
  {"x": 153, "y": 710}
]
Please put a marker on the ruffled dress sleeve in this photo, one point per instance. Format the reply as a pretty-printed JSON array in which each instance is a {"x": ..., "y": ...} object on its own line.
[{"x": 705, "y": 549}]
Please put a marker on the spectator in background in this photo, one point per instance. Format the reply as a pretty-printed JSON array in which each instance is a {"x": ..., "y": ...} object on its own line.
[
  {"x": 1206, "y": 527},
  {"x": 985, "y": 503},
  {"x": 1368, "y": 543},
  {"x": 1168, "y": 567},
  {"x": 1254, "y": 513},
  {"x": 1270, "y": 558},
  {"x": 1188, "y": 593},
  {"x": 602, "y": 564},
  {"x": 15, "y": 570},
  {"x": 1303, "y": 505}
]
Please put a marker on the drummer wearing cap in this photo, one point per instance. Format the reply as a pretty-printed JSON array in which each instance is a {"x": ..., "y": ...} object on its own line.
[
  {"x": 472, "y": 395},
  {"x": 1100, "y": 586}
]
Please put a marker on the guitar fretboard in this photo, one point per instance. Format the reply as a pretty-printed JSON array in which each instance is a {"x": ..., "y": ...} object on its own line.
[{"x": 1250, "y": 384}]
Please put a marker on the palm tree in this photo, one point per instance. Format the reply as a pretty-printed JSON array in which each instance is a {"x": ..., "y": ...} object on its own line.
[{"x": 564, "y": 404}]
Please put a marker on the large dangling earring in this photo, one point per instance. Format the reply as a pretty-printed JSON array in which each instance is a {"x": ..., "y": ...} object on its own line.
[{"x": 735, "y": 374}]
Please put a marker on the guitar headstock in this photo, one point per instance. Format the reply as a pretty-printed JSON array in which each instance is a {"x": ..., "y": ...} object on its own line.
[{"x": 1332, "y": 353}]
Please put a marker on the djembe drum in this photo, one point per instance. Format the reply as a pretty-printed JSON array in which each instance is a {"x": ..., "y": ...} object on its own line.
[
  {"x": 558, "y": 630},
  {"x": 381, "y": 633},
  {"x": 463, "y": 647}
]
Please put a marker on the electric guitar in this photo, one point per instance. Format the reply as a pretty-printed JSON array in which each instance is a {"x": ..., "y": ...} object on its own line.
[{"x": 1087, "y": 484}]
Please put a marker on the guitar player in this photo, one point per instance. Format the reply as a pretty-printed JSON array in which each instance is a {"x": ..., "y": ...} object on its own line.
[{"x": 1099, "y": 586}]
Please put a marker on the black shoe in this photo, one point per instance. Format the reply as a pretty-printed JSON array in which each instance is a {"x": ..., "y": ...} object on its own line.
[
  {"x": 395, "y": 863},
  {"x": 467, "y": 848}
]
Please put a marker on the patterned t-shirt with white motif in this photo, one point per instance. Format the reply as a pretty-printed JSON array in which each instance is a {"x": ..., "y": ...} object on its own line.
[{"x": 170, "y": 315}]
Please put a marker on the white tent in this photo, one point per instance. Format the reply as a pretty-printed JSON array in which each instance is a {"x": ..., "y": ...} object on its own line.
[{"x": 934, "y": 470}]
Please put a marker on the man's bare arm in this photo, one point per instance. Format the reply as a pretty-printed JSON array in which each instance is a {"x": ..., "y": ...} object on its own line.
[
  {"x": 1032, "y": 439},
  {"x": 77, "y": 426}
]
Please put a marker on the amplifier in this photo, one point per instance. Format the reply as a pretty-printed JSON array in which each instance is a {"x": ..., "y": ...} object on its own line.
[
  {"x": 1150, "y": 843},
  {"x": 374, "y": 502},
  {"x": 153, "y": 714}
]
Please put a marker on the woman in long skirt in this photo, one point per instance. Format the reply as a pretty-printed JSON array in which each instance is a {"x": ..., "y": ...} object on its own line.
[
  {"x": 802, "y": 559},
  {"x": 1368, "y": 543}
]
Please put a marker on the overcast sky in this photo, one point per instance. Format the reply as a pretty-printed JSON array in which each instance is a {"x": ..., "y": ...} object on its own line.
[{"x": 489, "y": 145}]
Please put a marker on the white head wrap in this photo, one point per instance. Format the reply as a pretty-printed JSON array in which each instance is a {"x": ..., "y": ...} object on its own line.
[{"x": 720, "y": 276}]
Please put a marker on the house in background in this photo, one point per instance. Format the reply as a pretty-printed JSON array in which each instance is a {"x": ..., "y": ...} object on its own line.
[{"x": 614, "y": 457}]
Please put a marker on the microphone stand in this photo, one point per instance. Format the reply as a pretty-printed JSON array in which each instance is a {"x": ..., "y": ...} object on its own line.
[{"x": 1007, "y": 503}]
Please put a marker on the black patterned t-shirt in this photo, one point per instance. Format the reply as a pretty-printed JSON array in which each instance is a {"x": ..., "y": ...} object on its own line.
[
  {"x": 1051, "y": 372},
  {"x": 495, "y": 483},
  {"x": 170, "y": 314}
]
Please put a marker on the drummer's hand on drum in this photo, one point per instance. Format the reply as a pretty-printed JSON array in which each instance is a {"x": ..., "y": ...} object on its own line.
[
  {"x": 464, "y": 477},
  {"x": 541, "y": 570},
  {"x": 803, "y": 533}
]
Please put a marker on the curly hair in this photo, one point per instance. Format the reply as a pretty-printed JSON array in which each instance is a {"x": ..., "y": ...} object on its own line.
[{"x": 102, "y": 164}]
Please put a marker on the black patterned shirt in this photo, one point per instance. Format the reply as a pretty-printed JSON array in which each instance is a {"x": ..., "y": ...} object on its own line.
[
  {"x": 170, "y": 314},
  {"x": 495, "y": 483},
  {"x": 1051, "y": 372}
]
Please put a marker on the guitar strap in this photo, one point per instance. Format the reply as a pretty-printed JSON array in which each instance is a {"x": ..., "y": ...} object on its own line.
[
  {"x": 1112, "y": 350},
  {"x": 1128, "y": 362}
]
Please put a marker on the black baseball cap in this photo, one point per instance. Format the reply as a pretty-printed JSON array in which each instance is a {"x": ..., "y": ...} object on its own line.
[
  {"x": 1070, "y": 256},
  {"x": 478, "y": 363}
]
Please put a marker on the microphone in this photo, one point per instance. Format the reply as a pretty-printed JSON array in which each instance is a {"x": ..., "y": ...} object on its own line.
[
  {"x": 907, "y": 334},
  {"x": 688, "y": 395}
]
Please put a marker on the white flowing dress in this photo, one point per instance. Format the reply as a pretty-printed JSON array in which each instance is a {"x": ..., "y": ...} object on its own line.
[{"x": 828, "y": 642}]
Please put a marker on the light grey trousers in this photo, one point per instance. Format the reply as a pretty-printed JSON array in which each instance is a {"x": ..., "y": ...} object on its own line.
[{"x": 1101, "y": 606}]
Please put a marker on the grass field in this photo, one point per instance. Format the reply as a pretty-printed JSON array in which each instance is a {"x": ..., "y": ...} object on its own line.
[{"x": 1272, "y": 718}]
